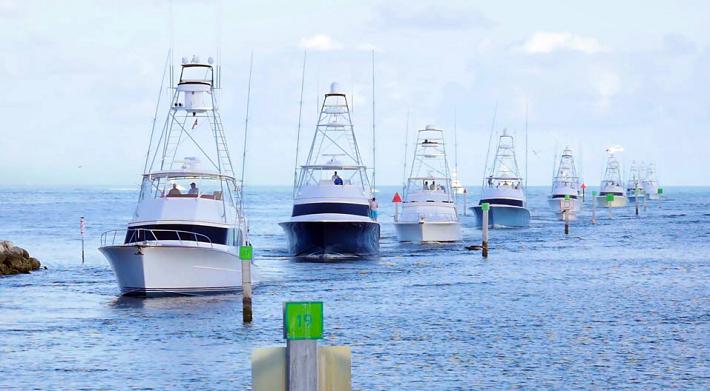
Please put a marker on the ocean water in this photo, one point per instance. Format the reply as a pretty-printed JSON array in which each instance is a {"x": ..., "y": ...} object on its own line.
[{"x": 624, "y": 304}]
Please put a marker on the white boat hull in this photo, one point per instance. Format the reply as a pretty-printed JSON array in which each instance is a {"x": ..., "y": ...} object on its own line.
[
  {"x": 556, "y": 206},
  {"x": 619, "y": 202},
  {"x": 173, "y": 269},
  {"x": 428, "y": 231}
]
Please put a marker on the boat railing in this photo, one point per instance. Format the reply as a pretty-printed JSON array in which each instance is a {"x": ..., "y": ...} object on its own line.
[{"x": 147, "y": 235}]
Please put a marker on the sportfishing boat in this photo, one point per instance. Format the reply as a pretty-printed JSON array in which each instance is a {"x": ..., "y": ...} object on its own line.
[
  {"x": 504, "y": 190},
  {"x": 565, "y": 188},
  {"x": 612, "y": 193},
  {"x": 188, "y": 224},
  {"x": 650, "y": 182},
  {"x": 634, "y": 183},
  {"x": 333, "y": 205},
  {"x": 428, "y": 209}
]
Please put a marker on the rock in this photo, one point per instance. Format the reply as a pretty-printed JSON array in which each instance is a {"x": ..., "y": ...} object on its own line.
[{"x": 14, "y": 260}]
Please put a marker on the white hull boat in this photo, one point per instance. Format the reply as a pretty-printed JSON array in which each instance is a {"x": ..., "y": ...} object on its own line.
[
  {"x": 504, "y": 190},
  {"x": 141, "y": 268},
  {"x": 185, "y": 234},
  {"x": 618, "y": 202},
  {"x": 428, "y": 232},
  {"x": 565, "y": 194},
  {"x": 650, "y": 183},
  {"x": 428, "y": 209},
  {"x": 612, "y": 184},
  {"x": 334, "y": 212},
  {"x": 573, "y": 205}
]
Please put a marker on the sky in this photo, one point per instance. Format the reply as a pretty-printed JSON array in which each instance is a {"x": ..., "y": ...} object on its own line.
[{"x": 81, "y": 79}]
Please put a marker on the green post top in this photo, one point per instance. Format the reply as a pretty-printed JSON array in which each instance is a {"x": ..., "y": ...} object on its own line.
[
  {"x": 485, "y": 206},
  {"x": 609, "y": 198},
  {"x": 567, "y": 197},
  {"x": 660, "y": 190},
  {"x": 246, "y": 253},
  {"x": 594, "y": 193},
  {"x": 303, "y": 320}
]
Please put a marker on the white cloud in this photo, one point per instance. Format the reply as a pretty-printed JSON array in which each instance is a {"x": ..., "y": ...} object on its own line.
[
  {"x": 320, "y": 42},
  {"x": 547, "y": 42}
]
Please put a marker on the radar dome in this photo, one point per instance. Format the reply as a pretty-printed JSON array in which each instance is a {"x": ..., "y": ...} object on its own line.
[
  {"x": 335, "y": 88},
  {"x": 430, "y": 127}
]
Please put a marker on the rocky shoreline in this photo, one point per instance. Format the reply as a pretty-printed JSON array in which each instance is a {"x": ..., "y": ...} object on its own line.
[{"x": 15, "y": 260}]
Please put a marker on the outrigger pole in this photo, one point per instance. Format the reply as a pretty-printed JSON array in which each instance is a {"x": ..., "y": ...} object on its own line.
[
  {"x": 246, "y": 130},
  {"x": 300, "y": 114},
  {"x": 373, "y": 123}
]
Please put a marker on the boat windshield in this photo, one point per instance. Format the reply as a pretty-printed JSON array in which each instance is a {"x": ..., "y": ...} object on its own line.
[{"x": 187, "y": 186}]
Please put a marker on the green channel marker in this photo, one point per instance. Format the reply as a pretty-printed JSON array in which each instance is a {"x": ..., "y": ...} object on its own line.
[
  {"x": 485, "y": 206},
  {"x": 594, "y": 193},
  {"x": 246, "y": 253},
  {"x": 660, "y": 190},
  {"x": 609, "y": 198},
  {"x": 303, "y": 320}
]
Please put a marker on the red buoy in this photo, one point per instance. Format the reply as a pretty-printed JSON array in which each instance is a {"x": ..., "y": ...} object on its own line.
[{"x": 396, "y": 198}]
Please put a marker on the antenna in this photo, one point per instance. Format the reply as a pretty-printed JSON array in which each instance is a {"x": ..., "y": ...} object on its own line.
[
  {"x": 300, "y": 114},
  {"x": 488, "y": 151},
  {"x": 373, "y": 122},
  {"x": 246, "y": 129},
  {"x": 157, "y": 106}
]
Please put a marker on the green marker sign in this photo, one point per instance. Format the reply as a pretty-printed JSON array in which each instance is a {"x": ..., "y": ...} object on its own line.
[
  {"x": 303, "y": 320},
  {"x": 246, "y": 253},
  {"x": 485, "y": 206},
  {"x": 660, "y": 190},
  {"x": 609, "y": 198}
]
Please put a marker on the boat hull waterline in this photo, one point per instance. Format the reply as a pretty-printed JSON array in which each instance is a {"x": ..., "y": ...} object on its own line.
[
  {"x": 556, "y": 206},
  {"x": 619, "y": 202},
  {"x": 428, "y": 231},
  {"x": 159, "y": 270},
  {"x": 332, "y": 239},
  {"x": 503, "y": 216}
]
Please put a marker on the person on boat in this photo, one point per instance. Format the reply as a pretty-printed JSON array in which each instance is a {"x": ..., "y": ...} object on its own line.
[
  {"x": 174, "y": 191},
  {"x": 373, "y": 208},
  {"x": 426, "y": 185},
  {"x": 490, "y": 180},
  {"x": 336, "y": 178},
  {"x": 433, "y": 185},
  {"x": 193, "y": 189}
]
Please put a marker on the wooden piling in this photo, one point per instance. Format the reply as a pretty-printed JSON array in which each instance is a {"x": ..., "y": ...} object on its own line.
[
  {"x": 636, "y": 202},
  {"x": 465, "y": 194},
  {"x": 302, "y": 374},
  {"x": 82, "y": 227},
  {"x": 594, "y": 207},
  {"x": 484, "y": 227},
  {"x": 246, "y": 256}
]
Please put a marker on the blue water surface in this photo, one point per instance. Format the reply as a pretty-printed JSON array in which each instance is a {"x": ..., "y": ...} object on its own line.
[{"x": 624, "y": 304}]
